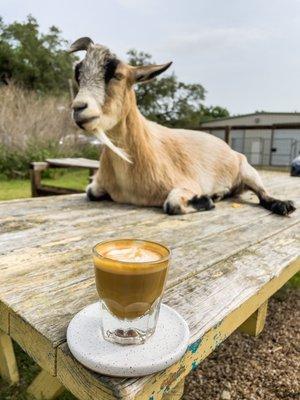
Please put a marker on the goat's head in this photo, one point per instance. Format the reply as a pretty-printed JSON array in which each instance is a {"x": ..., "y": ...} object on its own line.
[{"x": 105, "y": 83}]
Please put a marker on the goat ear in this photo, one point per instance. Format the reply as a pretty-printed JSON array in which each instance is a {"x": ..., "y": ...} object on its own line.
[
  {"x": 80, "y": 44},
  {"x": 149, "y": 72}
]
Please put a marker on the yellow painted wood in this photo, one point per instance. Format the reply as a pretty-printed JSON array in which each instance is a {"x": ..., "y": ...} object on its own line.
[
  {"x": 35, "y": 344},
  {"x": 93, "y": 386},
  {"x": 4, "y": 318},
  {"x": 255, "y": 323},
  {"x": 8, "y": 363},
  {"x": 199, "y": 350},
  {"x": 45, "y": 387},
  {"x": 176, "y": 393}
]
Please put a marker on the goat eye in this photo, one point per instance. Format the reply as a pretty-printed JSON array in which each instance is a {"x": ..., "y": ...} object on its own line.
[{"x": 118, "y": 76}]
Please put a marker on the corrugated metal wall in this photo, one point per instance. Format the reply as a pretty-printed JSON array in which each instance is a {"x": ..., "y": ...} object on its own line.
[{"x": 256, "y": 145}]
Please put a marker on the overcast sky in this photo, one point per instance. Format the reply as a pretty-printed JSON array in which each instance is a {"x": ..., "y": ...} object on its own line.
[{"x": 245, "y": 53}]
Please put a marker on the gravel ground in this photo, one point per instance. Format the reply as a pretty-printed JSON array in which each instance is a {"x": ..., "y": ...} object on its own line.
[{"x": 247, "y": 368}]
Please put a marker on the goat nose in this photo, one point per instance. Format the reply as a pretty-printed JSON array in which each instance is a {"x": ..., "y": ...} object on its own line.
[{"x": 79, "y": 106}]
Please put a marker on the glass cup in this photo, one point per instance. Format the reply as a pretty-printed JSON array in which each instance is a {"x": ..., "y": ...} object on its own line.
[{"x": 130, "y": 278}]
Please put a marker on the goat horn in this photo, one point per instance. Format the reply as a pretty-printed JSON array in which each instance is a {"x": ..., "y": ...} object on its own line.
[{"x": 80, "y": 44}]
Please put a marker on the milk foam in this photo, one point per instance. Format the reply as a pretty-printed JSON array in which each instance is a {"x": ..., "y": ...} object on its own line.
[{"x": 132, "y": 254}]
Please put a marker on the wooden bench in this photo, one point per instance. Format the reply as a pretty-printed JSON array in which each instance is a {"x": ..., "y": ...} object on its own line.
[
  {"x": 36, "y": 169},
  {"x": 226, "y": 264}
]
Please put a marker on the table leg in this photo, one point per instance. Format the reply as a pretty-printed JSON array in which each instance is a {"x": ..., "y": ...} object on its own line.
[
  {"x": 36, "y": 169},
  {"x": 176, "y": 393},
  {"x": 45, "y": 387},
  {"x": 256, "y": 322},
  {"x": 8, "y": 363}
]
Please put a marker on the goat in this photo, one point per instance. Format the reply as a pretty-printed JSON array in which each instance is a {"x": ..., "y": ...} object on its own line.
[{"x": 180, "y": 170}]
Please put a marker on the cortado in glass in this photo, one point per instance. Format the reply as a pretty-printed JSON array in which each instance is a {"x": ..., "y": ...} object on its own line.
[{"x": 130, "y": 279}]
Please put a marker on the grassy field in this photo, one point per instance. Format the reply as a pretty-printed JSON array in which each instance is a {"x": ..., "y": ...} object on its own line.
[{"x": 20, "y": 188}]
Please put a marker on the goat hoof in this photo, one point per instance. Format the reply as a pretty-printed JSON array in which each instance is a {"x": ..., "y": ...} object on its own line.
[
  {"x": 201, "y": 203},
  {"x": 91, "y": 197},
  {"x": 282, "y": 207},
  {"x": 172, "y": 209}
]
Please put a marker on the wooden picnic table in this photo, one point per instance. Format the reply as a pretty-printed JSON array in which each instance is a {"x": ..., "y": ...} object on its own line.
[
  {"x": 226, "y": 263},
  {"x": 37, "y": 167}
]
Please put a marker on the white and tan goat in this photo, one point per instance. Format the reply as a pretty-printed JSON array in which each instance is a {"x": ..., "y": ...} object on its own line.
[{"x": 181, "y": 170}]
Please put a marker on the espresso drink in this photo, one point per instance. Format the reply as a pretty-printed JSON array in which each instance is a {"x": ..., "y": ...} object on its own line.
[{"x": 130, "y": 276}]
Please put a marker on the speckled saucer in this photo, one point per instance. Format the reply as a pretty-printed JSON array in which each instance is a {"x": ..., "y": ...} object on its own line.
[{"x": 162, "y": 349}]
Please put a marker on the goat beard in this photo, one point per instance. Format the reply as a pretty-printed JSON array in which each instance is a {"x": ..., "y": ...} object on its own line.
[{"x": 105, "y": 141}]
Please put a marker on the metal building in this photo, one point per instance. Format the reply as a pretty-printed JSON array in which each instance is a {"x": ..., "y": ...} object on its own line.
[{"x": 266, "y": 138}]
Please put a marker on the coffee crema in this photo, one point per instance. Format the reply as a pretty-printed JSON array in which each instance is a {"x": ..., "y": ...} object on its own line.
[
  {"x": 130, "y": 276},
  {"x": 136, "y": 254}
]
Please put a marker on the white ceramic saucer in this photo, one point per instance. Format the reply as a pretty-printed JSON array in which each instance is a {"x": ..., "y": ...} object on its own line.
[{"x": 166, "y": 346}]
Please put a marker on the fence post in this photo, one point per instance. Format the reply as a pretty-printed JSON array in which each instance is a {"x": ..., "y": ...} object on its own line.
[
  {"x": 227, "y": 134},
  {"x": 271, "y": 145}
]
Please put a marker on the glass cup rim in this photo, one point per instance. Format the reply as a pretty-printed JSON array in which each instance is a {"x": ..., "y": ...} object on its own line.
[{"x": 163, "y": 259}]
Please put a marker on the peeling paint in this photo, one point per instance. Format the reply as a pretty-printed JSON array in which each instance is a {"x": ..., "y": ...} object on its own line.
[
  {"x": 218, "y": 324},
  {"x": 194, "y": 365},
  {"x": 172, "y": 377},
  {"x": 194, "y": 346}
]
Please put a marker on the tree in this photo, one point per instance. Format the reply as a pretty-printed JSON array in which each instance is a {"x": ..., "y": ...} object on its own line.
[
  {"x": 34, "y": 60},
  {"x": 171, "y": 102}
]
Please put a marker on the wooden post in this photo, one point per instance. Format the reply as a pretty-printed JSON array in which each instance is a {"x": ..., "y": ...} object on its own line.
[
  {"x": 256, "y": 322},
  {"x": 176, "y": 393},
  {"x": 45, "y": 387},
  {"x": 271, "y": 146},
  {"x": 8, "y": 363},
  {"x": 92, "y": 172},
  {"x": 36, "y": 169},
  {"x": 227, "y": 134}
]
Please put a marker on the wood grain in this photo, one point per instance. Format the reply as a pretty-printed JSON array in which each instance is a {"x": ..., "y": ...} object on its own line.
[
  {"x": 36, "y": 345},
  {"x": 8, "y": 363},
  {"x": 254, "y": 325},
  {"x": 220, "y": 259},
  {"x": 206, "y": 300},
  {"x": 176, "y": 393},
  {"x": 73, "y": 162},
  {"x": 45, "y": 387},
  {"x": 4, "y": 318}
]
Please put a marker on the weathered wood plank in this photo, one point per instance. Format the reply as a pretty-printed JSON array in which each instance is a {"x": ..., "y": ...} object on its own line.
[
  {"x": 38, "y": 292},
  {"x": 36, "y": 169},
  {"x": 48, "y": 289},
  {"x": 28, "y": 207},
  {"x": 45, "y": 387},
  {"x": 209, "y": 340},
  {"x": 47, "y": 280},
  {"x": 73, "y": 162},
  {"x": 254, "y": 325},
  {"x": 81, "y": 383},
  {"x": 176, "y": 393},
  {"x": 76, "y": 219},
  {"x": 237, "y": 286},
  {"x": 36, "y": 345},
  {"x": 4, "y": 318},
  {"x": 8, "y": 364}
]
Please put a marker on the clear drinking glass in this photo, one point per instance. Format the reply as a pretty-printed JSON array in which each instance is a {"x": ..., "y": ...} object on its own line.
[{"x": 130, "y": 278}]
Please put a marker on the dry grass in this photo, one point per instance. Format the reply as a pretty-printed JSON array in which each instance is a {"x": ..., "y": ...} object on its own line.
[
  {"x": 31, "y": 127},
  {"x": 25, "y": 116}
]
